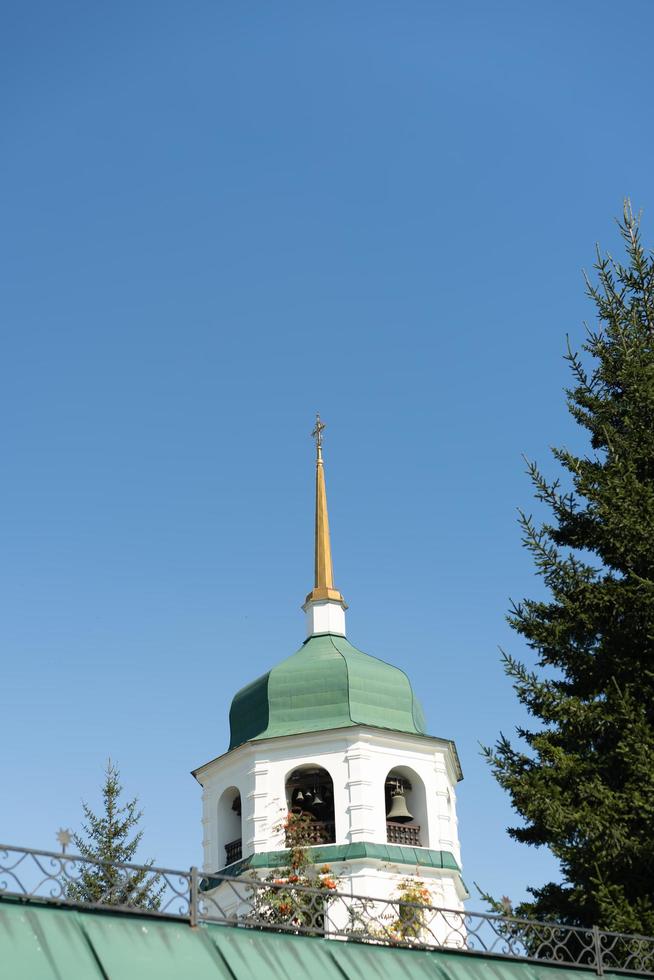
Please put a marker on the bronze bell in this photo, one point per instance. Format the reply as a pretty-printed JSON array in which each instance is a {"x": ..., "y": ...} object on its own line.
[{"x": 399, "y": 812}]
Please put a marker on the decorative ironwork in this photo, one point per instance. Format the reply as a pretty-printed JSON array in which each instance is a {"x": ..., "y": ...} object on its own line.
[
  {"x": 63, "y": 879},
  {"x": 233, "y": 851},
  {"x": 320, "y": 832},
  {"x": 245, "y": 902},
  {"x": 402, "y": 833}
]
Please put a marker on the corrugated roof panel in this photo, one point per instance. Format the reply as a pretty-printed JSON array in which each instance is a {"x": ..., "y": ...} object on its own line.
[
  {"x": 44, "y": 942},
  {"x": 39, "y": 943},
  {"x": 150, "y": 949}
]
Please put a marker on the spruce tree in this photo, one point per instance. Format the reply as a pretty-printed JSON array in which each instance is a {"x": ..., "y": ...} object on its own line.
[
  {"x": 582, "y": 778},
  {"x": 107, "y": 841}
]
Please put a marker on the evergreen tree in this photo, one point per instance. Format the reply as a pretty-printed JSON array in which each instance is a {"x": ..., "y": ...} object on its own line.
[
  {"x": 107, "y": 841},
  {"x": 582, "y": 779}
]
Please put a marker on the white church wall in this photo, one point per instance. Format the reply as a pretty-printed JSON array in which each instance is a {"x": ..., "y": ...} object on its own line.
[
  {"x": 380, "y": 880},
  {"x": 369, "y": 886},
  {"x": 223, "y": 775},
  {"x": 358, "y": 759}
]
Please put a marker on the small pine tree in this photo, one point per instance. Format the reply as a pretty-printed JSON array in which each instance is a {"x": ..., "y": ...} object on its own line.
[
  {"x": 107, "y": 842},
  {"x": 584, "y": 785}
]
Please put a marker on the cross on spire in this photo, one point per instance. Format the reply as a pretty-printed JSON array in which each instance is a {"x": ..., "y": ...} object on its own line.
[{"x": 317, "y": 435}]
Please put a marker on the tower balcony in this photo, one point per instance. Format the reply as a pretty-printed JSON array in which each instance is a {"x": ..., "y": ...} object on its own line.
[
  {"x": 402, "y": 833},
  {"x": 319, "y": 832},
  {"x": 233, "y": 851}
]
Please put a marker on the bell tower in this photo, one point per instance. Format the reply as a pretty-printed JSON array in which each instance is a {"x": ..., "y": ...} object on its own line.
[{"x": 340, "y": 735}]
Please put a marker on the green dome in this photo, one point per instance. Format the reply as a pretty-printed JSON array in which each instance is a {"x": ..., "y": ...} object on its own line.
[{"x": 326, "y": 684}]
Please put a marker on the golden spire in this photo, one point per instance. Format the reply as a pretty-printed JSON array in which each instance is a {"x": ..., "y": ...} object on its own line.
[{"x": 323, "y": 584}]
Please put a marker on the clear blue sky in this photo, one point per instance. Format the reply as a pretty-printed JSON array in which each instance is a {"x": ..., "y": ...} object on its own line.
[{"x": 218, "y": 218}]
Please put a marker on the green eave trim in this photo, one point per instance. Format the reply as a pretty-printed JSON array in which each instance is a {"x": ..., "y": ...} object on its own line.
[{"x": 393, "y": 853}]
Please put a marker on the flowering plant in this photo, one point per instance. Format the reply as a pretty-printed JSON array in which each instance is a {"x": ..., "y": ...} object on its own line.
[
  {"x": 402, "y": 920},
  {"x": 285, "y": 902},
  {"x": 414, "y": 898}
]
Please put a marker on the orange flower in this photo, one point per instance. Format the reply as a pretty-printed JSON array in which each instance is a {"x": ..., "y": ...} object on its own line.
[
  {"x": 294, "y": 878},
  {"x": 329, "y": 883},
  {"x": 325, "y": 870}
]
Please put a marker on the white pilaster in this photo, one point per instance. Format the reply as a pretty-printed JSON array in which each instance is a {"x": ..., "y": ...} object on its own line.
[
  {"x": 256, "y": 831},
  {"x": 365, "y": 819}
]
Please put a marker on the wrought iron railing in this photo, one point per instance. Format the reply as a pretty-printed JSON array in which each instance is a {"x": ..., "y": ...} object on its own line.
[
  {"x": 402, "y": 833},
  {"x": 280, "y": 906},
  {"x": 233, "y": 851},
  {"x": 63, "y": 879}
]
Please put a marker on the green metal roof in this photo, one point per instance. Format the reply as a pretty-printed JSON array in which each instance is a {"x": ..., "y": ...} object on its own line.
[
  {"x": 50, "y": 943},
  {"x": 326, "y": 684},
  {"x": 422, "y": 857}
]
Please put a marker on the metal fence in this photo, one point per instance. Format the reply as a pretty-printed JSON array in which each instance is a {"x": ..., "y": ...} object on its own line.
[{"x": 283, "y": 906}]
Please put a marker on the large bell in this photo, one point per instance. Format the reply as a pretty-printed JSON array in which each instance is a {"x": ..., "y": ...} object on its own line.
[
  {"x": 399, "y": 812},
  {"x": 317, "y": 799}
]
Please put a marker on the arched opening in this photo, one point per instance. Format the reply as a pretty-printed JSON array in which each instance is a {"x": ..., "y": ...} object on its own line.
[
  {"x": 230, "y": 847},
  {"x": 406, "y": 808},
  {"x": 310, "y": 790}
]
